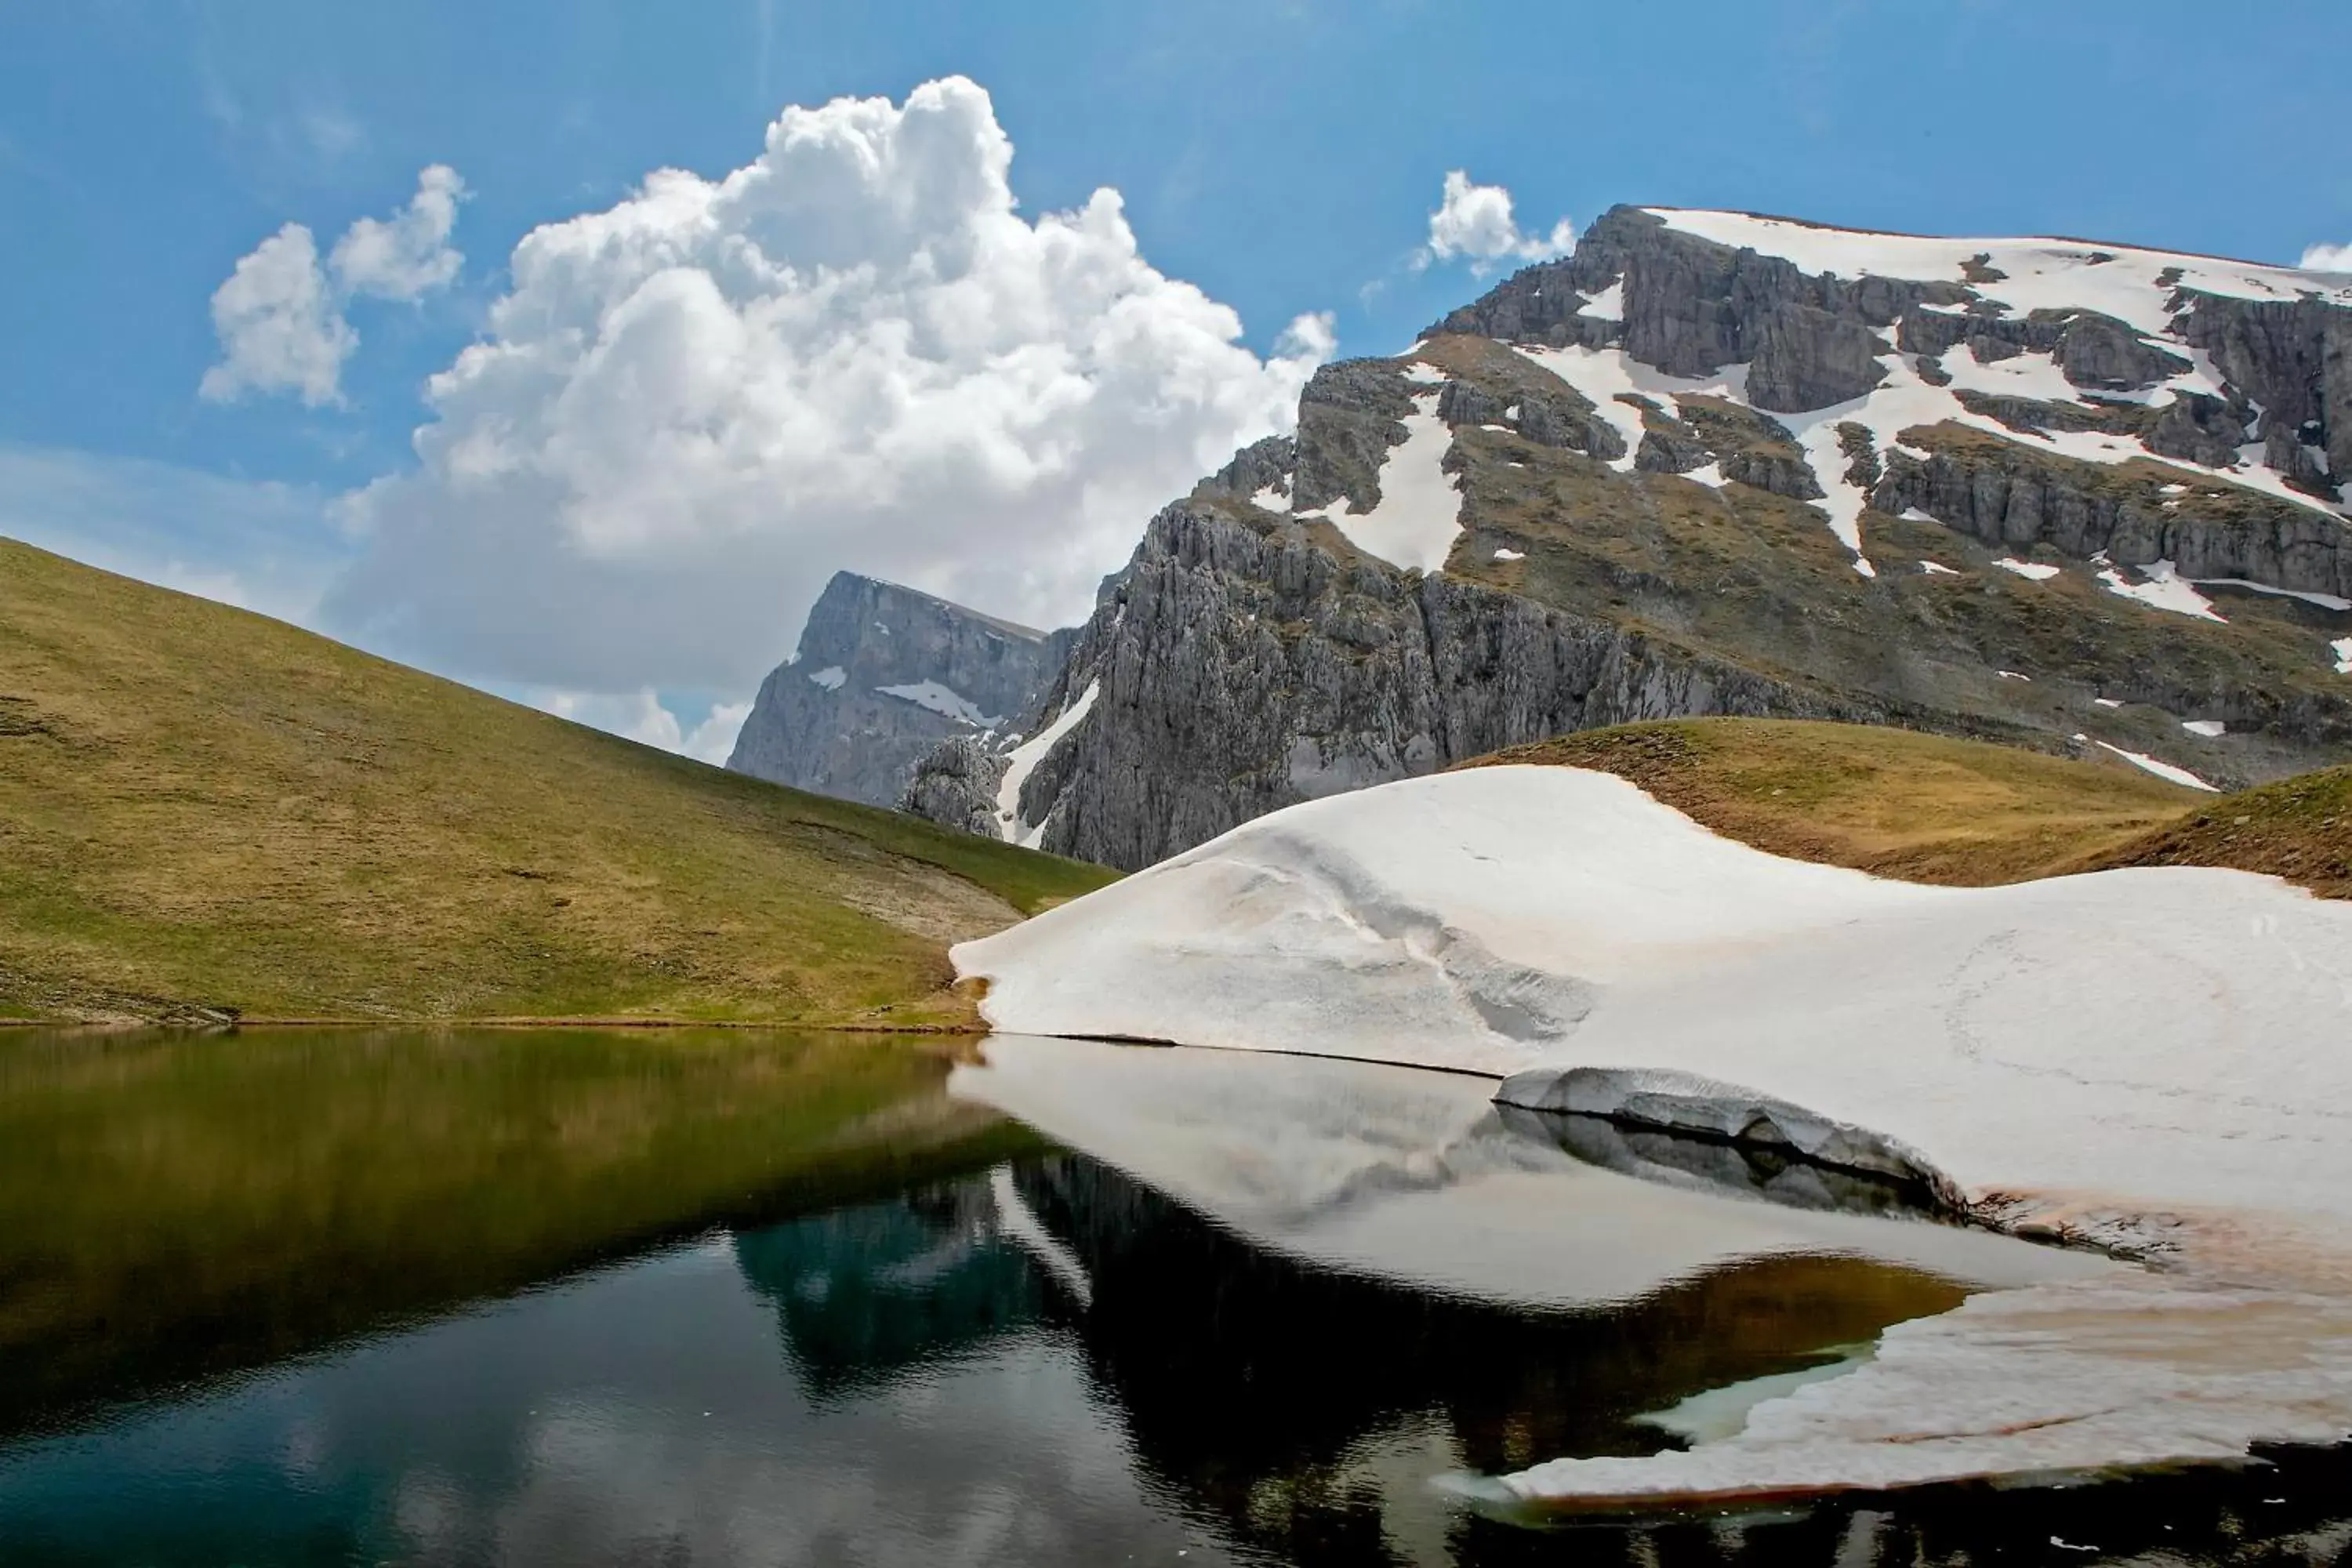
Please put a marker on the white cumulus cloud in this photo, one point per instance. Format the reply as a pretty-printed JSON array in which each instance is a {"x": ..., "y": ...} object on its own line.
[
  {"x": 2328, "y": 259},
  {"x": 410, "y": 254},
  {"x": 853, "y": 351},
  {"x": 642, "y": 716},
  {"x": 279, "y": 316},
  {"x": 280, "y": 326},
  {"x": 1474, "y": 223}
]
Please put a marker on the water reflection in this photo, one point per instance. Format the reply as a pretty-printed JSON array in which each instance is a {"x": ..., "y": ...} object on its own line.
[{"x": 1046, "y": 1358}]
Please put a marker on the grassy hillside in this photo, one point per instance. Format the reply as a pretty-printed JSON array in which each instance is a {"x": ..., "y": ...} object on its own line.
[
  {"x": 203, "y": 810},
  {"x": 1895, "y": 802},
  {"x": 2298, "y": 828}
]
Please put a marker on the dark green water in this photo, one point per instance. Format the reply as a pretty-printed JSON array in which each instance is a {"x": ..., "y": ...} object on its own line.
[{"x": 293, "y": 1298}]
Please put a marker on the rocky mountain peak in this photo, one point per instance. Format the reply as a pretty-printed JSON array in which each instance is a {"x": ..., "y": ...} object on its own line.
[
  {"x": 2083, "y": 496},
  {"x": 882, "y": 673}
]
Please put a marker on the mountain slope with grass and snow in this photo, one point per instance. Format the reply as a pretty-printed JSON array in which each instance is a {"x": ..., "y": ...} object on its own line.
[{"x": 2084, "y": 499}]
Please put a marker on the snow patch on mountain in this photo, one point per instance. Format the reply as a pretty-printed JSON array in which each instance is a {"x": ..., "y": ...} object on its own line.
[
  {"x": 2132, "y": 285},
  {"x": 1419, "y": 514},
  {"x": 2163, "y": 769},
  {"x": 942, "y": 700},
  {"x": 1607, "y": 376},
  {"x": 2163, "y": 589},
  {"x": 1023, "y": 760}
]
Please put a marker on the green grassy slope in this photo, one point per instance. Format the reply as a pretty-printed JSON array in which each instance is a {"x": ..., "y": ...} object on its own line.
[{"x": 203, "y": 809}]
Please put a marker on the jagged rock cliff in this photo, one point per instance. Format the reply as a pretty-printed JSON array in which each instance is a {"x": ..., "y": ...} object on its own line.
[
  {"x": 2078, "y": 497},
  {"x": 881, "y": 676}
]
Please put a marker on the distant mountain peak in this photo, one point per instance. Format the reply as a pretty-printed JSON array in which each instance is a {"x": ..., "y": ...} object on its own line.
[{"x": 881, "y": 674}]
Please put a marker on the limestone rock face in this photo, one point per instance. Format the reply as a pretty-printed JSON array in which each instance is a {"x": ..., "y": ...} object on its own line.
[
  {"x": 881, "y": 676},
  {"x": 1240, "y": 664}
]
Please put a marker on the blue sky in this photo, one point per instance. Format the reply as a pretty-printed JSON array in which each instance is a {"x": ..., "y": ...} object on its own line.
[{"x": 1283, "y": 158}]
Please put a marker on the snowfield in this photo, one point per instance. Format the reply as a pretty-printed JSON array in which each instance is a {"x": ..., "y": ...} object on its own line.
[
  {"x": 2159, "y": 1057},
  {"x": 1499, "y": 919}
]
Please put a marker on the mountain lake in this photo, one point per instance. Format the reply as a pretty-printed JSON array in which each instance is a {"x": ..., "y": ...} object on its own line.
[{"x": 280, "y": 1296}]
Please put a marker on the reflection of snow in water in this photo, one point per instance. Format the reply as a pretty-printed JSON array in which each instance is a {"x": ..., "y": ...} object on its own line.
[
  {"x": 2082, "y": 1376},
  {"x": 1415, "y": 1177}
]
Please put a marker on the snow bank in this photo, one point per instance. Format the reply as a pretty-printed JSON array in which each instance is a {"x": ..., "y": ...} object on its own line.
[
  {"x": 2173, "y": 1036},
  {"x": 2342, "y": 649},
  {"x": 2163, "y": 1056},
  {"x": 2146, "y": 1054}
]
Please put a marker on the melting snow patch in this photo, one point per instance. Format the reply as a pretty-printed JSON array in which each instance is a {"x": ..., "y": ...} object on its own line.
[
  {"x": 941, "y": 700},
  {"x": 2342, "y": 647},
  {"x": 1271, "y": 499},
  {"x": 2037, "y": 571},
  {"x": 1509, "y": 555},
  {"x": 1424, "y": 374},
  {"x": 1420, "y": 510},
  {"x": 2164, "y": 590},
  {"x": 1937, "y": 569},
  {"x": 1609, "y": 305},
  {"x": 2324, "y": 601},
  {"x": 2162, "y": 769},
  {"x": 830, "y": 676},
  {"x": 2013, "y": 675},
  {"x": 2107, "y": 702},
  {"x": 2208, "y": 728},
  {"x": 1024, "y": 761},
  {"x": 1601, "y": 374},
  {"x": 2173, "y": 490}
]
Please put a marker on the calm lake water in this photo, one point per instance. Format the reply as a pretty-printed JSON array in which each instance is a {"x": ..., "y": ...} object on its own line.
[{"x": 675, "y": 1298}]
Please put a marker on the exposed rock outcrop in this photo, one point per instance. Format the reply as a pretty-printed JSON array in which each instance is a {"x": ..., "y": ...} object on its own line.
[
  {"x": 1241, "y": 664},
  {"x": 881, "y": 676}
]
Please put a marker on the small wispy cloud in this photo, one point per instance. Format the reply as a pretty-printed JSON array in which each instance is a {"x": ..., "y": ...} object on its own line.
[
  {"x": 1475, "y": 223},
  {"x": 2329, "y": 257}
]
